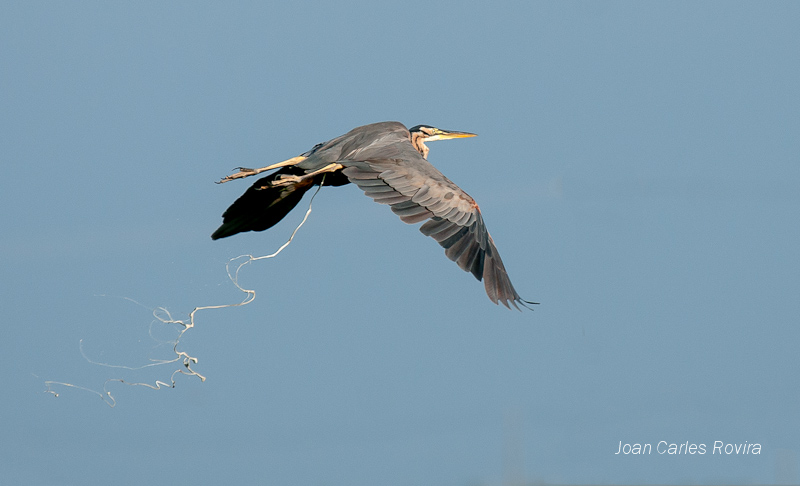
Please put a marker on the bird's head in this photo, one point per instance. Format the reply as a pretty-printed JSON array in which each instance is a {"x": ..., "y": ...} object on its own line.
[{"x": 426, "y": 133}]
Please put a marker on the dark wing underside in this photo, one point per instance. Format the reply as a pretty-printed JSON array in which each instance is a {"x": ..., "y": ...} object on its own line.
[
  {"x": 416, "y": 192},
  {"x": 261, "y": 206}
]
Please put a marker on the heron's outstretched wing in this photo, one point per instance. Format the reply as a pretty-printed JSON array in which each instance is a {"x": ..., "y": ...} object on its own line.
[{"x": 416, "y": 191}]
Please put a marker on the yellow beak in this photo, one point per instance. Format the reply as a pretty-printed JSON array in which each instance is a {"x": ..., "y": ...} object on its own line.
[{"x": 447, "y": 135}]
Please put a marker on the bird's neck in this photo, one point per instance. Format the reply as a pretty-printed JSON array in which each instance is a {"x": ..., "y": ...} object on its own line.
[{"x": 418, "y": 141}]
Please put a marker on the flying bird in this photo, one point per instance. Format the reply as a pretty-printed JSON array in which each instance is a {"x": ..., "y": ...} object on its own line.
[{"x": 389, "y": 163}]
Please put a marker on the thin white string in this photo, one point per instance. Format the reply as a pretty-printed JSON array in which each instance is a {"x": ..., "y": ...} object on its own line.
[{"x": 163, "y": 315}]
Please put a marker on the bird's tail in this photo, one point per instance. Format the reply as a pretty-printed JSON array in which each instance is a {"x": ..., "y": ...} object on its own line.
[{"x": 263, "y": 204}]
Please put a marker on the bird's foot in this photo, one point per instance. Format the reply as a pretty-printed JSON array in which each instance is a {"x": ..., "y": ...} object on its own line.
[
  {"x": 243, "y": 172},
  {"x": 282, "y": 180}
]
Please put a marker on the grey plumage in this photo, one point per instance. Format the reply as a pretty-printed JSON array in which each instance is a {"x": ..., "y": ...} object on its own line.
[{"x": 388, "y": 162}]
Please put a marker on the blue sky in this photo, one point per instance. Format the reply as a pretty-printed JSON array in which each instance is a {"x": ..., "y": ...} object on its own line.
[{"x": 636, "y": 164}]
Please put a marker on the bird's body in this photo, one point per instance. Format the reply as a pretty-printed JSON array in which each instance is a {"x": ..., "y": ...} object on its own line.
[{"x": 388, "y": 162}]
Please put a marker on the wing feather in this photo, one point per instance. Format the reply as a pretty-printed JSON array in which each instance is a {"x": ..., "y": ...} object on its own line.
[
  {"x": 392, "y": 199},
  {"x": 421, "y": 195},
  {"x": 467, "y": 259},
  {"x": 416, "y": 218},
  {"x": 410, "y": 211},
  {"x": 378, "y": 189}
]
